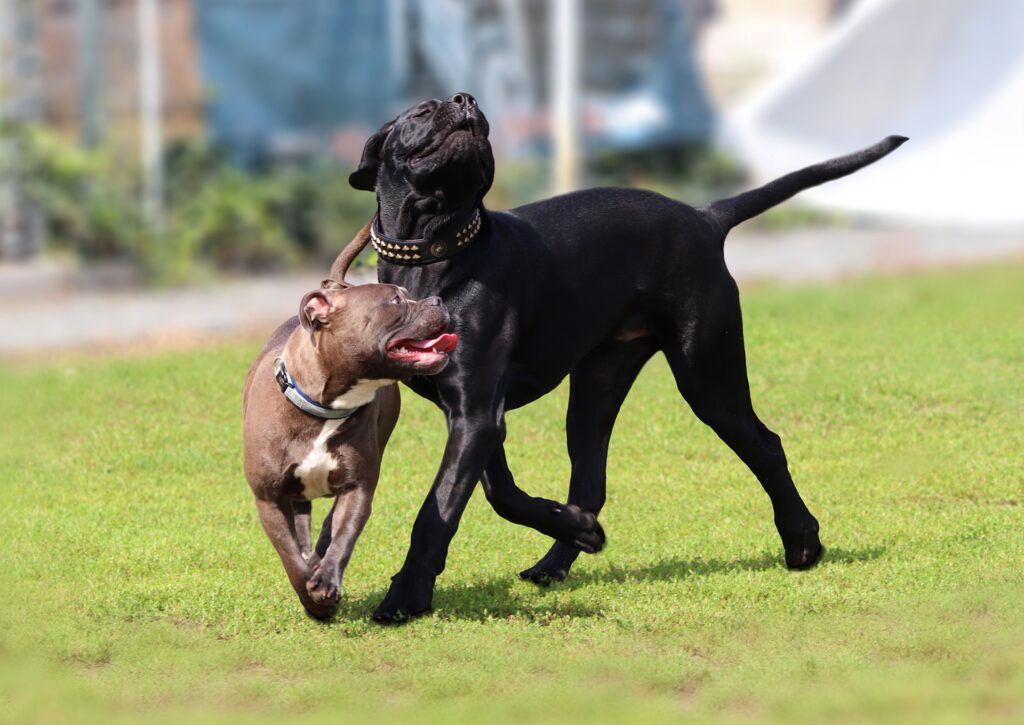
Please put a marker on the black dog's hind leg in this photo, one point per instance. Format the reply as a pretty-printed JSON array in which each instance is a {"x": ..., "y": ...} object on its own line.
[
  {"x": 473, "y": 451},
  {"x": 571, "y": 524},
  {"x": 597, "y": 388},
  {"x": 709, "y": 366}
]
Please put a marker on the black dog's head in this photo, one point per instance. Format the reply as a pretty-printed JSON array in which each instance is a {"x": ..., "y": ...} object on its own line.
[{"x": 436, "y": 152}]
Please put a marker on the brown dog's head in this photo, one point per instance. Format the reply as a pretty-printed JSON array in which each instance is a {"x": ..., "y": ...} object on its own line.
[
  {"x": 377, "y": 332},
  {"x": 437, "y": 151}
]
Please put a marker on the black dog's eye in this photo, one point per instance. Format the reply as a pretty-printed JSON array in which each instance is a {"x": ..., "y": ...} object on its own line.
[{"x": 421, "y": 113}]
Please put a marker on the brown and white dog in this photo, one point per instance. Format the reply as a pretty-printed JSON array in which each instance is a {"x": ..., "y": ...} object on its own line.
[{"x": 319, "y": 404}]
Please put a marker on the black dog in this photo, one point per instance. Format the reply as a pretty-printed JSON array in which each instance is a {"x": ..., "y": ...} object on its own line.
[{"x": 590, "y": 285}]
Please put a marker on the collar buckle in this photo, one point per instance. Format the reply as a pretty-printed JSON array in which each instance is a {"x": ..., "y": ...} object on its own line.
[
  {"x": 298, "y": 397},
  {"x": 281, "y": 374}
]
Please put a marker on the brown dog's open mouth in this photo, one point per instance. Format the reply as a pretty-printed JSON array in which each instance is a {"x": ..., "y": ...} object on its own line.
[{"x": 423, "y": 352}]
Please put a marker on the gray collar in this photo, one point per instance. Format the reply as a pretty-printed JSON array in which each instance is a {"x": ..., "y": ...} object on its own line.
[{"x": 298, "y": 397}]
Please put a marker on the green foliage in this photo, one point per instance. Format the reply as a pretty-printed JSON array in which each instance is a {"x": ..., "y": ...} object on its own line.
[
  {"x": 518, "y": 182},
  {"x": 91, "y": 204},
  {"x": 217, "y": 218},
  {"x": 698, "y": 174},
  {"x": 692, "y": 173},
  {"x": 136, "y": 583}
]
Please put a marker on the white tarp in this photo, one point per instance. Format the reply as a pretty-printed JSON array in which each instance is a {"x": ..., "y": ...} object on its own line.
[{"x": 947, "y": 73}]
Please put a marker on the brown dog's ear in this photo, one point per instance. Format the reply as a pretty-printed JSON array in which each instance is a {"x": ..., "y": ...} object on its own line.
[
  {"x": 313, "y": 311},
  {"x": 365, "y": 177}
]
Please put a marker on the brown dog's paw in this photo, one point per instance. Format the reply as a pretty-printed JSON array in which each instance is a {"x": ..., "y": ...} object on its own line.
[{"x": 323, "y": 588}]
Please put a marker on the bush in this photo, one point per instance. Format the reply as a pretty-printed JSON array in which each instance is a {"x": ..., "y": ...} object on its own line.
[{"x": 216, "y": 219}]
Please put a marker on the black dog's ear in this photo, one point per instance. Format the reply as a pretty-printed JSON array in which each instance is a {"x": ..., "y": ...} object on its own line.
[{"x": 365, "y": 177}]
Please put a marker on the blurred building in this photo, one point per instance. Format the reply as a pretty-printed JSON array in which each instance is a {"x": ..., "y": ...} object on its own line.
[
  {"x": 282, "y": 81},
  {"x": 269, "y": 78},
  {"x": 88, "y": 70},
  {"x": 288, "y": 78},
  {"x": 948, "y": 74}
]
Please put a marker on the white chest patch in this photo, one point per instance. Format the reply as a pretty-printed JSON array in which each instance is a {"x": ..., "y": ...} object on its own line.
[
  {"x": 359, "y": 394},
  {"x": 316, "y": 467}
]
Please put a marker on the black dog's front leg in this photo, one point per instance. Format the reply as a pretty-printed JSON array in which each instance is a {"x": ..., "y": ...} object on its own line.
[
  {"x": 471, "y": 442},
  {"x": 474, "y": 450}
]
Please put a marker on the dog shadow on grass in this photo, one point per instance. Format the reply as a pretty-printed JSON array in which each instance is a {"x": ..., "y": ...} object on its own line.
[
  {"x": 507, "y": 597},
  {"x": 678, "y": 568}
]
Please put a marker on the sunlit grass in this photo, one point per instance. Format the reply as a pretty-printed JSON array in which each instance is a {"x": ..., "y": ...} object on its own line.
[{"x": 136, "y": 580}]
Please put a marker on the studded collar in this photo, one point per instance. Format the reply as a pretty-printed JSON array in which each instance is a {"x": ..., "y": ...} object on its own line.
[{"x": 423, "y": 251}]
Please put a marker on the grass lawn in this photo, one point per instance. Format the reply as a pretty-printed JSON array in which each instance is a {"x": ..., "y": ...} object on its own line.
[{"x": 135, "y": 580}]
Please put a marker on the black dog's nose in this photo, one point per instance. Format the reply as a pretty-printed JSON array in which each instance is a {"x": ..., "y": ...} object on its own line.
[{"x": 463, "y": 99}]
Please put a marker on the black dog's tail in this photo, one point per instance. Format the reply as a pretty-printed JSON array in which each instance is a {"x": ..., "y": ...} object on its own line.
[{"x": 730, "y": 212}]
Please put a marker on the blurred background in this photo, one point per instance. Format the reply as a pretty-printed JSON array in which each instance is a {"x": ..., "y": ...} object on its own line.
[{"x": 193, "y": 157}]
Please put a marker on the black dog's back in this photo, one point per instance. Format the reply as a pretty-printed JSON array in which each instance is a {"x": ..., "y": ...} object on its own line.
[
  {"x": 587, "y": 228},
  {"x": 610, "y": 248},
  {"x": 631, "y": 214}
]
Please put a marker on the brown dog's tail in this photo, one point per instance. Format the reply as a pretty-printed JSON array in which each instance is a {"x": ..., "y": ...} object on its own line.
[
  {"x": 730, "y": 212},
  {"x": 345, "y": 258}
]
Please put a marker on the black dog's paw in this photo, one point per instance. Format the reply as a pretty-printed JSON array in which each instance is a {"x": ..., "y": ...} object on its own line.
[
  {"x": 543, "y": 574},
  {"x": 553, "y": 567},
  {"x": 324, "y": 589},
  {"x": 580, "y": 528},
  {"x": 408, "y": 597},
  {"x": 803, "y": 548},
  {"x": 804, "y": 557}
]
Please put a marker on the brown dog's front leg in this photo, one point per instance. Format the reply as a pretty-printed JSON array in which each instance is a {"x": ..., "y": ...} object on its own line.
[
  {"x": 303, "y": 512},
  {"x": 348, "y": 517},
  {"x": 278, "y": 519}
]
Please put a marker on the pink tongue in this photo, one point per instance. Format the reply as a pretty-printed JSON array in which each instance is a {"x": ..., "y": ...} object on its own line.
[{"x": 445, "y": 342}]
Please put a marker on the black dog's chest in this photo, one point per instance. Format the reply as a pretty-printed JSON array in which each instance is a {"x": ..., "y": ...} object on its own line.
[{"x": 525, "y": 316}]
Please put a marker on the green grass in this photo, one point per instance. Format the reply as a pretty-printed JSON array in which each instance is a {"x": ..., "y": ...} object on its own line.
[{"x": 135, "y": 580}]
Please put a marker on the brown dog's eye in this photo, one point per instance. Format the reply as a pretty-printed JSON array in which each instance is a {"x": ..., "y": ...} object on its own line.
[{"x": 396, "y": 300}]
